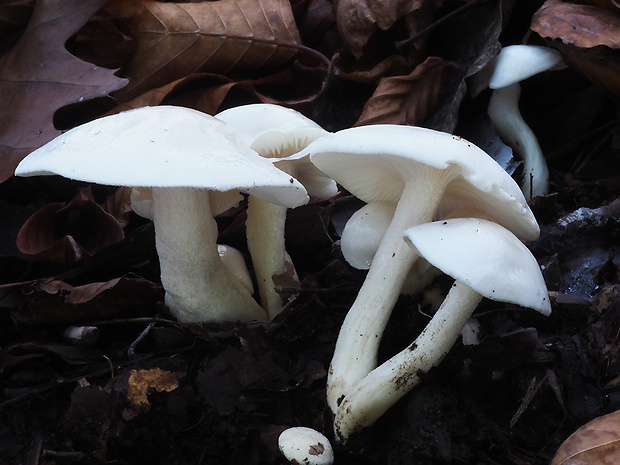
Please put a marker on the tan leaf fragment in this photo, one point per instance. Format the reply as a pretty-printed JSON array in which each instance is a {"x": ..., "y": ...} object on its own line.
[
  {"x": 175, "y": 40},
  {"x": 141, "y": 382},
  {"x": 406, "y": 99},
  {"x": 597, "y": 442}
]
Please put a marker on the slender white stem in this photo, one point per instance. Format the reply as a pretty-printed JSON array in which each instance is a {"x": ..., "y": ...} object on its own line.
[
  {"x": 265, "y": 233},
  {"x": 198, "y": 286},
  {"x": 382, "y": 387},
  {"x": 355, "y": 354},
  {"x": 505, "y": 115}
]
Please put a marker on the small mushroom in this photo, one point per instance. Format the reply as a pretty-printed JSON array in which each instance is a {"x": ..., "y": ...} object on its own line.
[
  {"x": 305, "y": 446},
  {"x": 279, "y": 134},
  {"x": 182, "y": 155},
  {"x": 427, "y": 174},
  {"x": 516, "y": 63},
  {"x": 486, "y": 260}
]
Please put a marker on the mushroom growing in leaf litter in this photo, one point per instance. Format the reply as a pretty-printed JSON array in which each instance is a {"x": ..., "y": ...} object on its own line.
[
  {"x": 486, "y": 260},
  {"x": 514, "y": 64},
  {"x": 182, "y": 155},
  {"x": 279, "y": 134},
  {"x": 427, "y": 174}
]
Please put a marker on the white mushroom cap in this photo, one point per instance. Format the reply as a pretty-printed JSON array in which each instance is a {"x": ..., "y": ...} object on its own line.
[
  {"x": 280, "y": 133},
  {"x": 373, "y": 163},
  {"x": 305, "y": 446},
  {"x": 363, "y": 233},
  {"x": 163, "y": 146},
  {"x": 516, "y": 63},
  {"x": 485, "y": 257}
]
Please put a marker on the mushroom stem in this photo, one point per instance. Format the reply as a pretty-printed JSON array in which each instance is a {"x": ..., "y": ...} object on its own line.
[
  {"x": 265, "y": 234},
  {"x": 505, "y": 115},
  {"x": 355, "y": 354},
  {"x": 196, "y": 281},
  {"x": 385, "y": 385}
]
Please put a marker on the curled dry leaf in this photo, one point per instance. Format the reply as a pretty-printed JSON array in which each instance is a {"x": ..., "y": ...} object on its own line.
[
  {"x": 68, "y": 233},
  {"x": 584, "y": 26},
  {"x": 588, "y": 38},
  {"x": 174, "y": 40},
  {"x": 597, "y": 442},
  {"x": 406, "y": 99},
  {"x": 38, "y": 76},
  {"x": 358, "y": 19}
]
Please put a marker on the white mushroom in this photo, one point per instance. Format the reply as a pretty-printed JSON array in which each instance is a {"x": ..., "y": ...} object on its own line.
[
  {"x": 305, "y": 446},
  {"x": 426, "y": 173},
  {"x": 182, "y": 155},
  {"x": 514, "y": 64},
  {"x": 486, "y": 260},
  {"x": 279, "y": 134}
]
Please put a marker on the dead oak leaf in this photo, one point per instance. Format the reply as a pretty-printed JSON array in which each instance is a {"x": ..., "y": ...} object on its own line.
[
  {"x": 406, "y": 99},
  {"x": 38, "y": 76},
  {"x": 597, "y": 442},
  {"x": 175, "y": 40}
]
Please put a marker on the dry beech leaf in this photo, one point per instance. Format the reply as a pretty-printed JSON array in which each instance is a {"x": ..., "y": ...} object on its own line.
[
  {"x": 406, "y": 99},
  {"x": 175, "y": 40},
  {"x": 38, "y": 76},
  {"x": 68, "y": 234},
  {"x": 595, "y": 443},
  {"x": 582, "y": 26},
  {"x": 588, "y": 38},
  {"x": 358, "y": 19}
]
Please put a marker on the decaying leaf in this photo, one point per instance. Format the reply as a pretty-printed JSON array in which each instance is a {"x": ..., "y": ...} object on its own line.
[
  {"x": 597, "y": 442},
  {"x": 583, "y": 26},
  {"x": 588, "y": 38},
  {"x": 174, "y": 40},
  {"x": 406, "y": 99},
  {"x": 38, "y": 76},
  {"x": 69, "y": 233},
  {"x": 141, "y": 382},
  {"x": 51, "y": 301},
  {"x": 358, "y": 19}
]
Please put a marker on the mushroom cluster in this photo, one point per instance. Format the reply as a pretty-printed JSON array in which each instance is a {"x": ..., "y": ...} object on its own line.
[
  {"x": 185, "y": 167},
  {"x": 436, "y": 203}
]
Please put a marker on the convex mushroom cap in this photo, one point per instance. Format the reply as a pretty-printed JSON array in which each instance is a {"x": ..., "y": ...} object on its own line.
[
  {"x": 486, "y": 260},
  {"x": 182, "y": 154},
  {"x": 278, "y": 134},
  {"x": 427, "y": 174}
]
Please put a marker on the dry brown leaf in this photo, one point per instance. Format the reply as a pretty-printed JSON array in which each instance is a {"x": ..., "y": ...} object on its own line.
[
  {"x": 175, "y": 40},
  {"x": 69, "y": 233},
  {"x": 39, "y": 76},
  {"x": 583, "y": 26},
  {"x": 588, "y": 38},
  {"x": 406, "y": 99},
  {"x": 597, "y": 442},
  {"x": 358, "y": 19}
]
